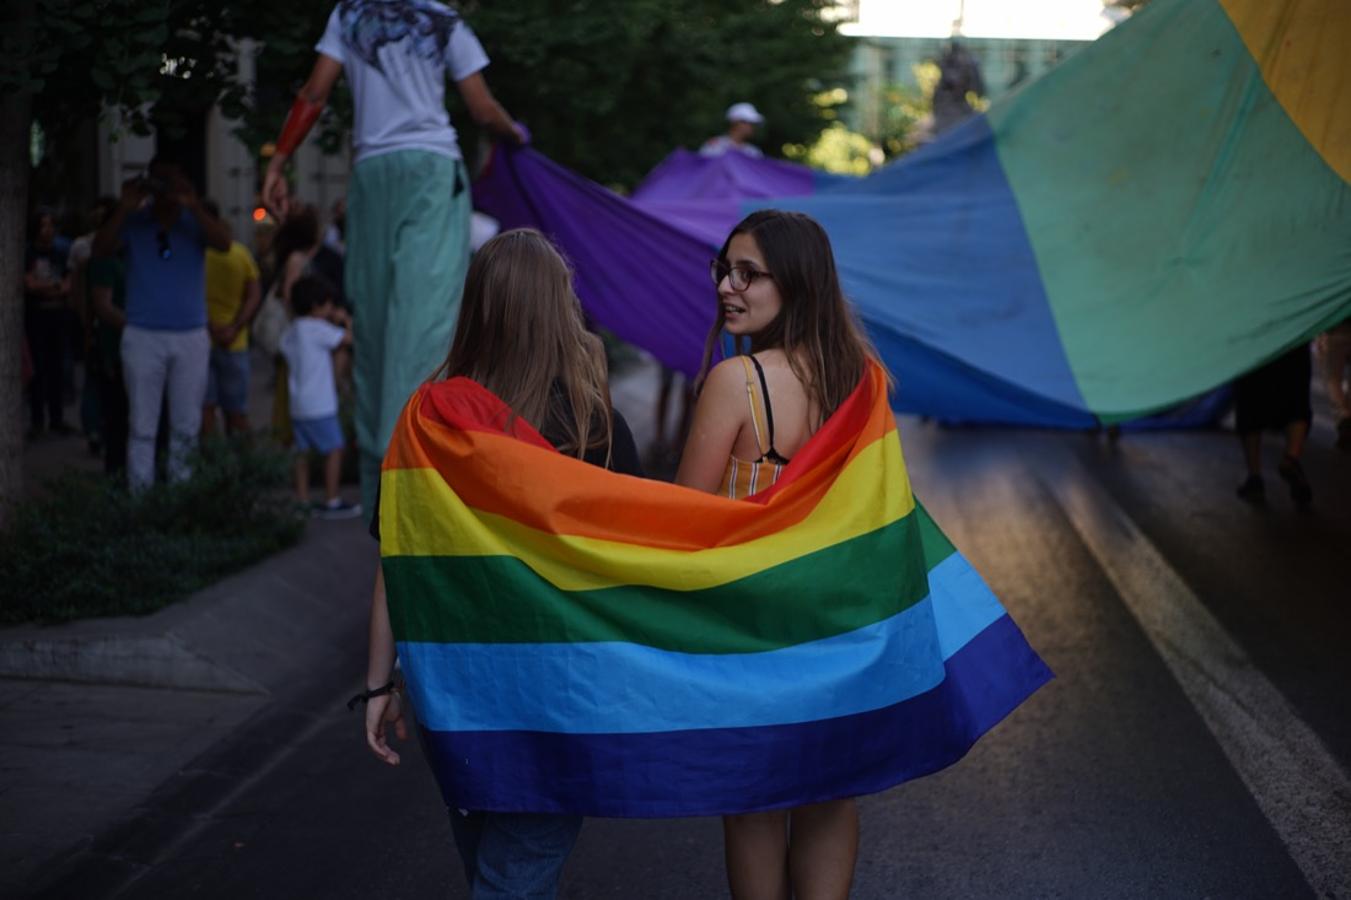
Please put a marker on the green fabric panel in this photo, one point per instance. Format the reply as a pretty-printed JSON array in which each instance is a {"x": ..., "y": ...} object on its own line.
[
  {"x": 1184, "y": 229},
  {"x": 499, "y": 599},
  {"x": 936, "y": 545}
]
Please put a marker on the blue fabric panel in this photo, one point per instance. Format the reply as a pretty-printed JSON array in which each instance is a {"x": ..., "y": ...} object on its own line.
[
  {"x": 932, "y": 252},
  {"x": 722, "y": 770}
]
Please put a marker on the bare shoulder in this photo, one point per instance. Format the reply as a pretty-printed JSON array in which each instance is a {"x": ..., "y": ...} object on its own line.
[
  {"x": 727, "y": 378},
  {"x": 724, "y": 390}
]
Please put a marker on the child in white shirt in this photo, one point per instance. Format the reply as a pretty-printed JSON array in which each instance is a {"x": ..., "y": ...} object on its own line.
[{"x": 308, "y": 345}]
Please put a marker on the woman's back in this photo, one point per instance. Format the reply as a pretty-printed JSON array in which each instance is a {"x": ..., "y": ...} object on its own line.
[
  {"x": 755, "y": 414},
  {"x": 785, "y": 401}
]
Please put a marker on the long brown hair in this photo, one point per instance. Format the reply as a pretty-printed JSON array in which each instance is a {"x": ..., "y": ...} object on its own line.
[
  {"x": 522, "y": 336},
  {"x": 299, "y": 233},
  {"x": 816, "y": 328}
]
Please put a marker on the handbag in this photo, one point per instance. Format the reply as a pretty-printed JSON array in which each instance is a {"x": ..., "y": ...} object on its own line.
[{"x": 270, "y": 323}]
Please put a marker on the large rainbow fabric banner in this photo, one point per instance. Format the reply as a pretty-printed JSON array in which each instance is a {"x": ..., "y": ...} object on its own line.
[
  {"x": 1165, "y": 210},
  {"x": 580, "y": 641}
]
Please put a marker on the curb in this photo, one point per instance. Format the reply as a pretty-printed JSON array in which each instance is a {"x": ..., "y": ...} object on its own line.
[{"x": 250, "y": 633}]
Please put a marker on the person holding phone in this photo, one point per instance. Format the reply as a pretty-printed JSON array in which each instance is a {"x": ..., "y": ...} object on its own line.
[{"x": 163, "y": 230}]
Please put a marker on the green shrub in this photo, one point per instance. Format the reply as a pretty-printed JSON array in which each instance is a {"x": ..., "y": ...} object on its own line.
[{"x": 88, "y": 548}]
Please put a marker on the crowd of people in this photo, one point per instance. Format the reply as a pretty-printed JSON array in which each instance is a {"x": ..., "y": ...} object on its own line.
[{"x": 156, "y": 303}]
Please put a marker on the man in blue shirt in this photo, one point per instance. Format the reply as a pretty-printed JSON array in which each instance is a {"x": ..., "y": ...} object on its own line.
[{"x": 163, "y": 231}]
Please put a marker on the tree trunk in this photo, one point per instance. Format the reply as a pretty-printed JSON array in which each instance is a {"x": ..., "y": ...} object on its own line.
[{"x": 15, "y": 112}]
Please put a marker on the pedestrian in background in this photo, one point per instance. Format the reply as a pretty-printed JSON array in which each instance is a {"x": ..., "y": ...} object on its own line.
[
  {"x": 742, "y": 119},
  {"x": 521, "y": 335},
  {"x": 232, "y": 298},
  {"x": 1275, "y": 397},
  {"x": 1335, "y": 347},
  {"x": 293, "y": 250},
  {"x": 46, "y": 294},
  {"x": 779, "y": 296},
  {"x": 407, "y": 234},
  {"x": 164, "y": 230},
  {"x": 329, "y": 258},
  {"x": 308, "y": 346},
  {"x": 108, "y": 303},
  {"x": 77, "y": 264}
]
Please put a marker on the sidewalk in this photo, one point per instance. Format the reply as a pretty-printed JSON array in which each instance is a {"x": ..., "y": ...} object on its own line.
[{"x": 104, "y": 719}]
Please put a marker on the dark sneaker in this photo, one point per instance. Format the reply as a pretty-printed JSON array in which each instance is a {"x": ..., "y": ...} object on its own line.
[
  {"x": 1344, "y": 435},
  {"x": 1252, "y": 488},
  {"x": 1293, "y": 474},
  {"x": 337, "y": 509}
]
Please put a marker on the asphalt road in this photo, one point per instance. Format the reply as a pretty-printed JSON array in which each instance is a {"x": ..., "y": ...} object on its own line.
[{"x": 1109, "y": 782}]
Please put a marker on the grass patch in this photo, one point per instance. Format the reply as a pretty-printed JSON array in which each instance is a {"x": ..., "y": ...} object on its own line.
[{"x": 88, "y": 548}]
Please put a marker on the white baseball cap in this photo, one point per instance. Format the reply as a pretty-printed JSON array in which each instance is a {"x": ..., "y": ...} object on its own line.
[{"x": 744, "y": 112}]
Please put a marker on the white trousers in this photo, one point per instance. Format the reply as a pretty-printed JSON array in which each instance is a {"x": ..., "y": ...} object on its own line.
[{"x": 155, "y": 363}]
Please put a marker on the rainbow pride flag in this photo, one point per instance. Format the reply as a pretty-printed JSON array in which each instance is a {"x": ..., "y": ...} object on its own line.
[{"x": 580, "y": 641}]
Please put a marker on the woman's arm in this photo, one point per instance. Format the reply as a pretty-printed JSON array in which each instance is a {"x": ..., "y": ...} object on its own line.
[
  {"x": 101, "y": 298},
  {"x": 718, "y": 418},
  {"x": 387, "y": 709},
  {"x": 295, "y": 266}
]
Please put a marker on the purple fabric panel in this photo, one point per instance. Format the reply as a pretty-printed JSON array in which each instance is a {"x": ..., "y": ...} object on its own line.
[
  {"x": 641, "y": 276},
  {"x": 709, "y": 220},
  {"x": 688, "y": 176}
]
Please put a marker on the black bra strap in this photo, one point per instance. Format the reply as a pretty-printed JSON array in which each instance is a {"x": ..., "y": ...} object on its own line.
[{"x": 771, "y": 454}]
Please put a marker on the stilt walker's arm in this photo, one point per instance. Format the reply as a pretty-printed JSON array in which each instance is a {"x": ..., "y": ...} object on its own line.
[{"x": 309, "y": 103}]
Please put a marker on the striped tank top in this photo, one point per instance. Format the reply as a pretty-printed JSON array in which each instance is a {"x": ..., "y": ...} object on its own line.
[{"x": 741, "y": 477}]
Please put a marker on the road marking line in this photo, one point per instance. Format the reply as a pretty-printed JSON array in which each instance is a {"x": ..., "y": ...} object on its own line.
[{"x": 1298, "y": 784}]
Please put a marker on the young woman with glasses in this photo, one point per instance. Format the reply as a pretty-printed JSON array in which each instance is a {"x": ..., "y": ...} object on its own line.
[{"x": 800, "y": 354}]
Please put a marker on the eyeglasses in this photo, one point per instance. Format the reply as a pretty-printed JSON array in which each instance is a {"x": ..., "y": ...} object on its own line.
[
  {"x": 162, "y": 238},
  {"x": 738, "y": 277}
]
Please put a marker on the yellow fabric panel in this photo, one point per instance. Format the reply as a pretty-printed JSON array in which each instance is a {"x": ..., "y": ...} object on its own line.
[
  {"x": 1303, "y": 48},
  {"x": 871, "y": 492}
]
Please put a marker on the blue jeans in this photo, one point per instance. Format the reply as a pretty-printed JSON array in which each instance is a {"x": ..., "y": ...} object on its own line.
[
  {"x": 513, "y": 855},
  {"x": 227, "y": 380}
]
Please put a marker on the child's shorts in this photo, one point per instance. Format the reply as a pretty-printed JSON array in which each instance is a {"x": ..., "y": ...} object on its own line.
[{"x": 321, "y": 435}]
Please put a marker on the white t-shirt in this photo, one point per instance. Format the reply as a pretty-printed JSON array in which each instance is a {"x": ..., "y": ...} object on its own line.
[
  {"x": 396, "y": 54},
  {"x": 717, "y": 146},
  {"x": 81, "y": 249},
  {"x": 308, "y": 344}
]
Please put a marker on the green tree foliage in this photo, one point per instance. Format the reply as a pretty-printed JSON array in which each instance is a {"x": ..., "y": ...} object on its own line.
[
  {"x": 610, "y": 87},
  {"x": 904, "y": 110},
  {"x": 838, "y": 150}
]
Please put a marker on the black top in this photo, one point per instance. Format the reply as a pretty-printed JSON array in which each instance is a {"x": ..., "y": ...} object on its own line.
[{"x": 623, "y": 450}]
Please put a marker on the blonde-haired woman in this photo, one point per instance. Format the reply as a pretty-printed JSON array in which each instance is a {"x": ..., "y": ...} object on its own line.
[{"x": 521, "y": 335}]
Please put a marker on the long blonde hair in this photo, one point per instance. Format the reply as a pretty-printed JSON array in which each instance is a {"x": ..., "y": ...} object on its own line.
[{"x": 522, "y": 336}]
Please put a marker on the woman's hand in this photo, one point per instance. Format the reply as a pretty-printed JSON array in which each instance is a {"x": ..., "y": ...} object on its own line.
[{"x": 380, "y": 712}]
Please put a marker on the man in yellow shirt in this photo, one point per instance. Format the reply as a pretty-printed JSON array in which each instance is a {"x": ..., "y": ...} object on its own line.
[{"x": 232, "y": 299}]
